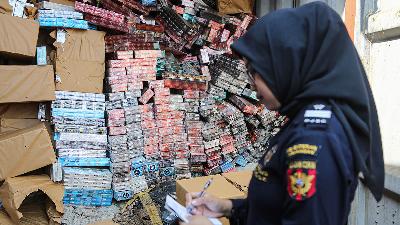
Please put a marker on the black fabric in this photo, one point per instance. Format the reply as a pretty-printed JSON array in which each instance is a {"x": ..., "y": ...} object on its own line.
[
  {"x": 269, "y": 201},
  {"x": 305, "y": 54}
]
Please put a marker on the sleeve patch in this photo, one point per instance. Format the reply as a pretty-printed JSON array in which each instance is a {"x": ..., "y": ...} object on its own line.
[
  {"x": 301, "y": 182},
  {"x": 304, "y": 149}
]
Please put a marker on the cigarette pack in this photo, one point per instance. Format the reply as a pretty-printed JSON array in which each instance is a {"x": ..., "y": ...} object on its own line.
[
  {"x": 64, "y": 22},
  {"x": 147, "y": 95},
  {"x": 41, "y": 55},
  {"x": 101, "y": 138},
  {"x": 99, "y": 12},
  {"x": 110, "y": 24},
  {"x": 51, "y": 13},
  {"x": 84, "y": 162},
  {"x": 87, "y": 197},
  {"x": 87, "y": 178},
  {"x": 55, "y": 6}
]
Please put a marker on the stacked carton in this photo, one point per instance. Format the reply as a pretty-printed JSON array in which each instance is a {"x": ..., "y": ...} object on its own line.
[{"x": 25, "y": 89}]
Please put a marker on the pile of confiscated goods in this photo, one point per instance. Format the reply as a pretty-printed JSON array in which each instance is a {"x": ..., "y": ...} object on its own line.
[{"x": 104, "y": 104}]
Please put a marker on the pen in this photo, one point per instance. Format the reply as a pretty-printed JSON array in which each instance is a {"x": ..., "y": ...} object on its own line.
[{"x": 206, "y": 185}]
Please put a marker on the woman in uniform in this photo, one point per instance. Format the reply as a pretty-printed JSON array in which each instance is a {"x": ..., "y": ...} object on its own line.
[{"x": 303, "y": 64}]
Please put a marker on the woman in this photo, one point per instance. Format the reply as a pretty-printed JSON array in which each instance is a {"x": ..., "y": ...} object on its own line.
[{"x": 303, "y": 64}]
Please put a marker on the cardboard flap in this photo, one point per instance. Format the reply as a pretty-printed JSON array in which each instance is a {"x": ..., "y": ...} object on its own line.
[
  {"x": 80, "y": 61},
  {"x": 105, "y": 222},
  {"x": 19, "y": 110},
  {"x": 5, "y": 218},
  {"x": 25, "y": 150},
  {"x": 15, "y": 190},
  {"x": 240, "y": 180},
  {"x": 82, "y": 45},
  {"x": 220, "y": 187},
  {"x": 5, "y": 7},
  {"x": 235, "y": 6},
  {"x": 82, "y": 76},
  {"x": 18, "y": 36},
  {"x": 7, "y": 125},
  {"x": 26, "y": 84}
]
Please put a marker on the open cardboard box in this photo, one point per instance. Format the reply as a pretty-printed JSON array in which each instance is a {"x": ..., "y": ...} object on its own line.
[
  {"x": 18, "y": 36},
  {"x": 25, "y": 150},
  {"x": 15, "y": 190},
  {"x": 220, "y": 187}
]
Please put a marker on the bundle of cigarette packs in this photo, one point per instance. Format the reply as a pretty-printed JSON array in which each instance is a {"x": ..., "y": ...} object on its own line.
[
  {"x": 81, "y": 144},
  {"x": 87, "y": 186}
]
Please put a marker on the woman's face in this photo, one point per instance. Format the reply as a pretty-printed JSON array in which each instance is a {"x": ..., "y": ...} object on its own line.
[{"x": 264, "y": 94}]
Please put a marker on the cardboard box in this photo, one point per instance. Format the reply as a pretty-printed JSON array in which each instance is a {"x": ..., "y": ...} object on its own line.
[
  {"x": 18, "y": 36},
  {"x": 10, "y": 125},
  {"x": 25, "y": 150},
  {"x": 15, "y": 190},
  {"x": 240, "y": 180},
  {"x": 105, "y": 222},
  {"x": 223, "y": 186},
  {"x": 235, "y": 6},
  {"x": 220, "y": 187},
  {"x": 5, "y": 7},
  {"x": 26, "y": 84},
  {"x": 5, "y": 218},
  {"x": 80, "y": 60},
  {"x": 19, "y": 110}
]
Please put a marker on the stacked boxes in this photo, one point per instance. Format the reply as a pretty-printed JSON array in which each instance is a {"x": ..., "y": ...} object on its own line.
[
  {"x": 58, "y": 15},
  {"x": 194, "y": 130},
  {"x": 132, "y": 127},
  {"x": 81, "y": 143},
  {"x": 87, "y": 187}
]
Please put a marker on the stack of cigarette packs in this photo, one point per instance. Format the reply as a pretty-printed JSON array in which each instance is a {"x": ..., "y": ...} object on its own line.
[
  {"x": 87, "y": 186},
  {"x": 58, "y": 15},
  {"x": 81, "y": 144}
]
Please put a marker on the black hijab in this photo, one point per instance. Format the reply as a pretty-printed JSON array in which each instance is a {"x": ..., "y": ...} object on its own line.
[{"x": 306, "y": 54}]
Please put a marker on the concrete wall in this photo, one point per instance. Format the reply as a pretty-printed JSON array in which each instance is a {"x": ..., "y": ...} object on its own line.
[
  {"x": 337, "y": 5},
  {"x": 382, "y": 29}
]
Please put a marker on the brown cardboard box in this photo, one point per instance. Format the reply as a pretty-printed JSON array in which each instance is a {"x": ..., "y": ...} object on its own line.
[
  {"x": 240, "y": 180},
  {"x": 5, "y": 7},
  {"x": 25, "y": 150},
  {"x": 223, "y": 186},
  {"x": 15, "y": 190},
  {"x": 80, "y": 61},
  {"x": 10, "y": 125},
  {"x": 19, "y": 110},
  {"x": 5, "y": 218},
  {"x": 105, "y": 222},
  {"x": 235, "y": 6},
  {"x": 18, "y": 36},
  {"x": 220, "y": 187},
  {"x": 54, "y": 216},
  {"x": 33, "y": 214},
  {"x": 26, "y": 83}
]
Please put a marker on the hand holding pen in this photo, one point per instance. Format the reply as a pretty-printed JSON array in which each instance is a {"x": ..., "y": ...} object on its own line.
[{"x": 204, "y": 204}]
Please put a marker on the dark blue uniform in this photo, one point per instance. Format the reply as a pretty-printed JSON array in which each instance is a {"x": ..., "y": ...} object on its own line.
[{"x": 306, "y": 177}]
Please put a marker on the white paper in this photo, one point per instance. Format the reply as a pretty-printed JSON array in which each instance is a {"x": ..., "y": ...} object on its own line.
[
  {"x": 61, "y": 36},
  {"x": 181, "y": 211}
]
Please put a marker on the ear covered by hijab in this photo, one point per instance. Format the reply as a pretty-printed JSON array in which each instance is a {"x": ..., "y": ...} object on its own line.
[{"x": 306, "y": 54}]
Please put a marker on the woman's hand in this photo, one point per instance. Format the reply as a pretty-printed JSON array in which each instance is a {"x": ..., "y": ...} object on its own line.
[
  {"x": 208, "y": 205},
  {"x": 198, "y": 220}
]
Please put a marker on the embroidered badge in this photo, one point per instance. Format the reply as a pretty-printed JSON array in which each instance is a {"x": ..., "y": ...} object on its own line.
[
  {"x": 269, "y": 154},
  {"x": 301, "y": 183},
  {"x": 305, "y": 149},
  {"x": 260, "y": 174},
  {"x": 318, "y": 115}
]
